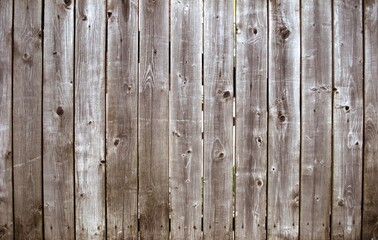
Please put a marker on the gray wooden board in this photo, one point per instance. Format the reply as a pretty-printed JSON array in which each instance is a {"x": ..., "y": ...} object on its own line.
[
  {"x": 90, "y": 119},
  {"x": 251, "y": 119},
  {"x": 58, "y": 161},
  {"x": 122, "y": 90},
  {"x": 348, "y": 119},
  {"x": 370, "y": 214},
  {"x": 6, "y": 191},
  {"x": 218, "y": 119},
  {"x": 284, "y": 120},
  {"x": 27, "y": 119},
  {"x": 153, "y": 123},
  {"x": 316, "y": 109},
  {"x": 186, "y": 119}
]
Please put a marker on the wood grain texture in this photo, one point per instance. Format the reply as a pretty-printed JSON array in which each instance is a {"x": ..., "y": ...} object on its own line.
[
  {"x": 316, "y": 109},
  {"x": 153, "y": 119},
  {"x": 348, "y": 119},
  {"x": 6, "y": 191},
  {"x": 58, "y": 175},
  {"x": 284, "y": 120},
  {"x": 218, "y": 119},
  {"x": 90, "y": 119},
  {"x": 122, "y": 96},
  {"x": 370, "y": 214},
  {"x": 185, "y": 152},
  {"x": 251, "y": 118},
  {"x": 27, "y": 119}
]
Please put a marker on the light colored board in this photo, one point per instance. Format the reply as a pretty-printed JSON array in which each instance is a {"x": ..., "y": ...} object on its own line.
[
  {"x": 58, "y": 56},
  {"x": 122, "y": 90},
  {"x": 90, "y": 119},
  {"x": 186, "y": 119},
  {"x": 348, "y": 119},
  {"x": 27, "y": 119},
  {"x": 251, "y": 119},
  {"x": 284, "y": 120},
  {"x": 370, "y": 214},
  {"x": 218, "y": 119},
  {"x": 6, "y": 191},
  {"x": 316, "y": 109},
  {"x": 153, "y": 124}
]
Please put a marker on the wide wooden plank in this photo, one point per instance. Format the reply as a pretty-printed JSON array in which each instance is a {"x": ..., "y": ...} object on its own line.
[
  {"x": 27, "y": 119},
  {"x": 122, "y": 86},
  {"x": 6, "y": 191},
  {"x": 58, "y": 175},
  {"x": 218, "y": 119},
  {"x": 316, "y": 109},
  {"x": 370, "y": 207},
  {"x": 251, "y": 119},
  {"x": 90, "y": 119},
  {"x": 284, "y": 120},
  {"x": 153, "y": 119},
  {"x": 185, "y": 153},
  {"x": 348, "y": 119}
]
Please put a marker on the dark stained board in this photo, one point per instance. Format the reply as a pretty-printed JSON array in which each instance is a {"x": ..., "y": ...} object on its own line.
[
  {"x": 218, "y": 119},
  {"x": 89, "y": 118},
  {"x": 153, "y": 116},
  {"x": 251, "y": 118},
  {"x": 185, "y": 117},
  {"x": 122, "y": 93},
  {"x": 284, "y": 120},
  {"x": 27, "y": 119}
]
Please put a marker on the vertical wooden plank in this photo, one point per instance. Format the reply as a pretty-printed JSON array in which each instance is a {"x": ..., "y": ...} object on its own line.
[
  {"x": 122, "y": 83},
  {"x": 218, "y": 119},
  {"x": 348, "y": 119},
  {"x": 153, "y": 119},
  {"x": 284, "y": 120},
  {"x": 27, "y": 119},
  {"x": 186, "y": 119},
  {"x": 316, "y": 109},
  {"x": 251, "y": 118},
  {"x": 6, "y": 191},
  {"x": 90, "y": 119},
  {"x": 370, "y": 214},
  {"x": 58, "y": 56}
]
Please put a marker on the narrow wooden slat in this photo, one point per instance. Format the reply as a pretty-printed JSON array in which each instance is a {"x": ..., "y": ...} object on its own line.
[
  {"x": 186, "y": 119},
  {"x": 316, "y": 109},
  {"x": 27, "y": 119},
  {"x": 153, "y": 119},
  {"x": 218, "y": 119},
  {"x": 348, "y": 119},
  {"x": 122, "y": 83},
  {"x": 251, "y": 119},
  {"x": 370, "y": 214},
  {"x": 58, "y": 55},
  {"x": 6, "y": 191},
  {"x": 284, "y": 120},
  {"x": 90, "y": 119}
]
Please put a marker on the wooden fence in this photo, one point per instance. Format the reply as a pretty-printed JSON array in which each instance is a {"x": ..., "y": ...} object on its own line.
[{"x": 188, "y": 119}]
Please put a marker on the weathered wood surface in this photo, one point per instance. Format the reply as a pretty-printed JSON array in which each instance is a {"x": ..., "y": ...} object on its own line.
[
  {"x": 6, "y": 191},
  {"x": 90, "y": 119},
  {"x": 27, "y": 119},
  {"x": 348, "y": 119},
  {"x": 251, "y": 119},
  {"x": 370, "y": 214},
  {"x": 284, "y": 120},
  {"x": 122, "y": 90},
  {"x": 153, "y": 123},
  {"x": 218, "y": 119},
  {"x": 316, "y": 109},
  {"x": 185, "y": 118},
  {"x": 58, "y": 161}
]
